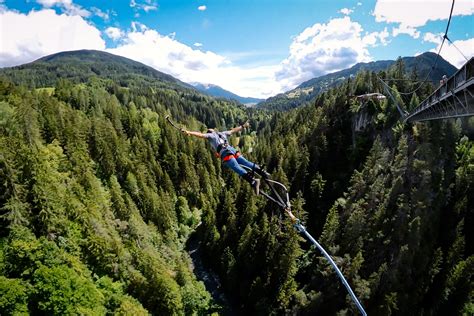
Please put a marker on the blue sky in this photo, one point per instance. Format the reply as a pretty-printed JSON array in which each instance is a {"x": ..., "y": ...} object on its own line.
[{"x": 253, "y": 48}]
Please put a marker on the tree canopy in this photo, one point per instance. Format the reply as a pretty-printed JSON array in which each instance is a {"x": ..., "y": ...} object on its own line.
[{"x": 99, "y": 196}]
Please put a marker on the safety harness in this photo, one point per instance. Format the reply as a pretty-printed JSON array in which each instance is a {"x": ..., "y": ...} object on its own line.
[
  {"x": 229, "y": 157},
  {"x": 223, "y": 152}
]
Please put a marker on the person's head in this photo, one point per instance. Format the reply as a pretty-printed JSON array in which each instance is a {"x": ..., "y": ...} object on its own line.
[{"x": 211, "y": 130}]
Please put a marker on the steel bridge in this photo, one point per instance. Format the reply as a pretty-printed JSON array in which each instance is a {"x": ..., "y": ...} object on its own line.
[{"x": 453, "y": 98}]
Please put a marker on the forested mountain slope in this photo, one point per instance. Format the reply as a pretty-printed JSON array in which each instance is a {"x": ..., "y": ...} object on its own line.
[
  {"x": 92, "y": 221},
  {"x": 78, "y": 66},
  {"x": 308, "y": 90},
  {"x": 99, "y": 195}
]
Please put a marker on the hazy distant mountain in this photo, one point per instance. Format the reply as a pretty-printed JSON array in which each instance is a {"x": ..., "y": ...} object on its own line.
[
  {"x": 217, "y": 91},
  {"x": 311, "y": 88}
]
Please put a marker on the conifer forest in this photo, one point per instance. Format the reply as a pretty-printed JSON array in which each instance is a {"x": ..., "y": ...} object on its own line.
[{"x": 101, "y": 198}]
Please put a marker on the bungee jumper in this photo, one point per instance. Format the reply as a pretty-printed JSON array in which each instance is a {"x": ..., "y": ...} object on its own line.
[
  {"x": 231, "y": 157},
  {"x": 234, "y": 160}
]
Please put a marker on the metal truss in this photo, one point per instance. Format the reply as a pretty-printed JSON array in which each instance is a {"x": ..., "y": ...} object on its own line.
[{"x": 454, "y": 98}]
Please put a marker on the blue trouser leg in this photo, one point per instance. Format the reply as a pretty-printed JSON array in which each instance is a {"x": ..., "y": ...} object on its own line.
[
  {"x": 234, "y": 165},
  {"x": 244, "y": 162}
]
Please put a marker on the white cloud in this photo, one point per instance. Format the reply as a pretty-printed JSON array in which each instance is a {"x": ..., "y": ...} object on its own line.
[
  {"x": 140, "y": 27},
  {"x": 383, "y": 37},
  {"x": 202, "y": 8},
  {"x": 166, "y": 54},
  {"x": 433, "y": 38},
  {"x": 50, "y": 3},
  {"x": 114, "y": 33},
  {"x": 198, "y": 44},
  {"x": 44, "y": 32},
  {"x": 66, "y": 5},
  {"x": 372, "y": 39},
  {"x": 147, "y": 8},
  {"x": 359, "y": 3},
  {"x": 418, "y": 13},
  {"x": 148, "y": 5},
  {"x": 101, "y": 14},
  {"x": 451, "y": 54},
  {"x": 346, "y": 11},
  {"x": 405, "y": 29},
  {"x": 325, "y": 48}
]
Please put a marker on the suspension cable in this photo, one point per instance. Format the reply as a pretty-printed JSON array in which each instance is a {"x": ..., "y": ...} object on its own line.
[
  {"x": 402, "y": 112},
  {"x": 445, "y": 36},
  {"x": 460, "y": 52}
]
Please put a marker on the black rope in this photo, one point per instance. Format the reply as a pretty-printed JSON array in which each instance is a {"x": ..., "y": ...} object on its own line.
[
  {"x": 445, "y": 36},
  {"x": 401, "y": 110},
  {"x": 413, "y": 80},
  {"x": 460, "y": 52},
  {"x": 449, "y": 20}
]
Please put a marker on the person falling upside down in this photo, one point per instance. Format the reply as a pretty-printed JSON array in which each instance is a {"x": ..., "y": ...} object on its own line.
[{"x": 231, "y": 157}]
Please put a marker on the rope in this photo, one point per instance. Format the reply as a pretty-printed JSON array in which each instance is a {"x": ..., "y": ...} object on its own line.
[
  {"x": 445, "y": 36},
  {"x": 449, "y": 20},
  {"x": 412, "y": 80},
  {"x": 300, "y": 228},
  {"x": 399, "y": 108},
  {"x": 277, "y": 199},
  {"x": 460, "y": 52},
  {"x": 303, "y": 230}
]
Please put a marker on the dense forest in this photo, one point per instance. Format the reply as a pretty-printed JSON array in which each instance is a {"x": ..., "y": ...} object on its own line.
[{"x": 99, "y": 196}]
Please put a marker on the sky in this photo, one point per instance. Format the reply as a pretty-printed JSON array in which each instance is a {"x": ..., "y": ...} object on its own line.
[{"x": 256, "y": 48}]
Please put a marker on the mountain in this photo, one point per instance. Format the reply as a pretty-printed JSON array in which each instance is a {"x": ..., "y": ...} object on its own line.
[
  {"x": 78, "y": 66},
  {"x": 71, "y": 71},
  {"x": 219, "y": 92},
  {"x": 311, "y": 88}
]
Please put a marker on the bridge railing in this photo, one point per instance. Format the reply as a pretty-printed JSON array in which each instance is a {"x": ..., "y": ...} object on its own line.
[{"x": 455, "y": 82}]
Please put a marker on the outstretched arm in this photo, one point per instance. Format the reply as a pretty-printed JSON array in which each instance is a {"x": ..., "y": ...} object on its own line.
[
  {"x": 196, "y": 134},
  {"x": 239, "y": 128}
]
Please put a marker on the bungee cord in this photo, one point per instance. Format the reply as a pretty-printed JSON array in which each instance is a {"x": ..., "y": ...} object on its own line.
[
  {"x": 286, "y": 207},
  {"x": 354, "y": 298}
]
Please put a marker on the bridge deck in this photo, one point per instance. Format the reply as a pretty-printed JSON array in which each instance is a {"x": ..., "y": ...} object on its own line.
[{"x": 454, "y": 98}]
